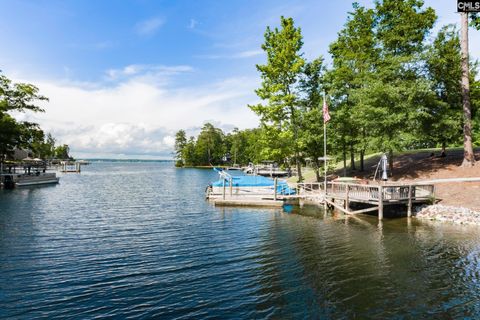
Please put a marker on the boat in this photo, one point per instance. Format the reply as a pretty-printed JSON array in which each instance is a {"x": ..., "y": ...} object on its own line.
[
  {"x": 267, "y": 169},
  {"x": 12, "y": 180},
  {"x": 247, "y": 185}
]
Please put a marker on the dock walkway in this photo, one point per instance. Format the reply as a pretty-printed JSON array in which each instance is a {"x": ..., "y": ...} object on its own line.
[
  {"x": 376, "y": 195},
  {"x": 340, "y": 195}
]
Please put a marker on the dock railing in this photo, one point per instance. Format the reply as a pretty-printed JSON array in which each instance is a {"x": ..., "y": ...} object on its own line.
[{"x": 368, "y": 192}]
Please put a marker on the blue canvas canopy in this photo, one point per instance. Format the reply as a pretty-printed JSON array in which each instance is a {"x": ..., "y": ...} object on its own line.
[{"x": 253, "y": 181}]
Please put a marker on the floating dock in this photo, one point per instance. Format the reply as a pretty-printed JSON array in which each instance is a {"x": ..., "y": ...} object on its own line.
[{"x": 246, "y": 202}]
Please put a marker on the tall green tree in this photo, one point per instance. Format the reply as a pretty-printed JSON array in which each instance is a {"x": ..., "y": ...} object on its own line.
[
  {"x": 279, "y": 113},
  {"x": 180, "y": 143},
  {"x": 468, "y": 155},
  {"x": 62, "y": 152},
  {"x": 355, "y": 57},
  {"x": 17, "y": 97},
  {"x": 440, "y": 120},
  {"x": 209, "y": 146},
  {"x": 402, "y": 27},
  {"x": 311, "y": 134}
]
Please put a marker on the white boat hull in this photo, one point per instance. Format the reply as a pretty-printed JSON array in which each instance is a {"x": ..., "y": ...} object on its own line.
[{"x": 34, "y": 179}]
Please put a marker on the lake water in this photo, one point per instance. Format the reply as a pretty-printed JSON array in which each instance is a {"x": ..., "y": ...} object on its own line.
[{"x": 138, "y": 240}]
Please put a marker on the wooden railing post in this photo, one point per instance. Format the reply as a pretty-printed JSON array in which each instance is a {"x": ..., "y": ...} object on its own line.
[
  {"x": 223, "y": 189},
  {"x": 275, "y": 188},
  {"x": 409, "y": 209},
  {"x": 380, "y": 202},
  {"x": 347, "y": 195}
]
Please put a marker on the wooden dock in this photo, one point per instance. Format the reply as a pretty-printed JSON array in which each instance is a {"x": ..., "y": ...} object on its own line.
[
  {"x": 341, "y": 195},
  {"x": 247, "y": 202}
]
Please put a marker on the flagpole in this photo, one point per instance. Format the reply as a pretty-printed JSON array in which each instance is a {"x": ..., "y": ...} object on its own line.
[{"x": 325, "y": 157}]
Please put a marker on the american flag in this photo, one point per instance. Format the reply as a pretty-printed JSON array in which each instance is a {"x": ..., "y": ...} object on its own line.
[{"x": 326, "y": 115}]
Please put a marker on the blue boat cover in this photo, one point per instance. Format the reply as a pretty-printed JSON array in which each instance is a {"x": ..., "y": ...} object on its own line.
[{"x": 255, "y": 181}]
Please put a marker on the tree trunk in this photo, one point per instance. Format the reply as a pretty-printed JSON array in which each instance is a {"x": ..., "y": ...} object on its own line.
[
  {"x": 352, "y": 157},
  {"x": 299, "y": 167},
  {"x": 295, "y": 142},
  {"x": 444, "y": 150},
  {"x": 468, "y": 155},
  {"x": 317, "y": 170},
  {"x": 344, "y": 159},
  {"x": 362, "y": 159}
]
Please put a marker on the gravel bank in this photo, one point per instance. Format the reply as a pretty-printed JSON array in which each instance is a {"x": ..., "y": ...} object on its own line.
[{"x": 458, "y": 215}]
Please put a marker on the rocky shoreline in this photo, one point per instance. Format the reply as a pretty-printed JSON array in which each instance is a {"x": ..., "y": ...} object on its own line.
[{"x": 443, "y": 213}]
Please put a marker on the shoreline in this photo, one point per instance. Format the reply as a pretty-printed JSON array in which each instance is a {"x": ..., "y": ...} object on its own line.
[{"x": 451, "y": 214}]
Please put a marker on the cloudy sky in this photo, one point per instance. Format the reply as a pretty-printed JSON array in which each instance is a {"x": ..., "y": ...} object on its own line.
[{"x": 124, "y": 76}]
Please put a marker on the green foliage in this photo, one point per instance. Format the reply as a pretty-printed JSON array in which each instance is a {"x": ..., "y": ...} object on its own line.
[
  {"x": 389, "y": 88},
  {"x": 209, "y": 147},
  {"x": 475, "y": 20},
  {"x": 279, "y": 114},
  {"x": 43, "y": 147},
  {"x": 440, "y": 121},
  {"x": 18, "y": 97},
  {"x": 311, "y": 121},
  {"x": 180, "y": 143},
  {"x": 62, "y": 152}
]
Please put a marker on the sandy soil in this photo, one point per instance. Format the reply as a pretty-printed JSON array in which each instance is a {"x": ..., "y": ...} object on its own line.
[{"x": 422, "y": 166}]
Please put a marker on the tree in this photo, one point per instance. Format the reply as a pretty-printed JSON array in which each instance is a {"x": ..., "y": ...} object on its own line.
[
  {"x": 468, "y": 155},
  {"x": 398, "y": 88},
  {"x": 180, "y": 143},
  {"x": 311, "y": 137},
  {"x": 355, "y": 58},
  {"x": 209, "y": 147},
  {"x": 440, "y": 121},
  {"x": 280, "y": 76},
  {"x": 189, "y": 154},
  {"x": 17, "y": 97},
  {"x": 62, "y": 152}
]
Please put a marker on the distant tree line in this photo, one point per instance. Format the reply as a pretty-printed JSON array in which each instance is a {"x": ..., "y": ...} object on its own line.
[
  {"x": 391, "y": 86},
  {"x": 23, "y": 97},
  {"x": 214, "y": 147}
]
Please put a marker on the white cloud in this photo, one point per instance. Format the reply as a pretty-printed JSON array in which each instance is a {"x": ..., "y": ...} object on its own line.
[
  {"x": 193, "y": 24},
  {"x": 137, "y": 116},
  {"x": 237, "y": 55},
  {"x": 149, "y": 27},
  {"x": 153, "y": 71},
  {"x": 248, "y": 54}
]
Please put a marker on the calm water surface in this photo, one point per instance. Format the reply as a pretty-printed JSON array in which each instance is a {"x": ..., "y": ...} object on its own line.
[{"x": 137, "y": 240}]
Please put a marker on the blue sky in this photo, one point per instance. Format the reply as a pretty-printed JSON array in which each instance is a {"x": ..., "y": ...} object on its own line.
[{"x": 124, "y": 76}]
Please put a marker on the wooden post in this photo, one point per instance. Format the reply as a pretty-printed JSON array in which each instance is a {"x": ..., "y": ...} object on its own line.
[
  {"x": 275, "y": 189},
  {"x": 409, "y": 209},
  {"x": 347, "y": 195},
  {"x": 231, "y": 187},
  {"x": 380, "y": 202},
  {"x": 223, "y": 189}
]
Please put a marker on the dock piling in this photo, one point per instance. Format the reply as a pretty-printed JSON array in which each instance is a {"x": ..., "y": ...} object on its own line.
[
  {"x": 380, "y": 202},
  {"x": 223, "y": 189},
  {"x": 409, "y": 205},
  {"x": 275, "y": 182}
]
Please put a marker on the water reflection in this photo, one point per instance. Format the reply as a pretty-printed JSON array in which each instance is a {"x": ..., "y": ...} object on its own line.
[
  {"x": 358, "y": 266},
  {"x": 97, "y": 245}
]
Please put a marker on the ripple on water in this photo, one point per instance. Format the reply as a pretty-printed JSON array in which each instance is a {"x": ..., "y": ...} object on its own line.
[{"x": 123, "y": 240}]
